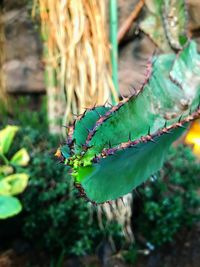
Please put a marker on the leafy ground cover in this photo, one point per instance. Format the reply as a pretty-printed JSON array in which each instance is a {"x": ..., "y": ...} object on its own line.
[{"x": 55, "y": 220}]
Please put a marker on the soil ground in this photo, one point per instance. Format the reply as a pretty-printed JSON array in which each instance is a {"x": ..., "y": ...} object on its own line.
[{"x": 184, "y": 252}]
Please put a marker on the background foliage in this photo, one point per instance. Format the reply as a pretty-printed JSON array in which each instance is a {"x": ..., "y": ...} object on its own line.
[
  {"x": 171, "y": 202},
  {"x": 60, "y": 221}
]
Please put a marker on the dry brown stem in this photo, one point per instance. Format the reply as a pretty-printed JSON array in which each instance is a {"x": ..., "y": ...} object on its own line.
[
  {"x": 128, "y": 22},
  {"x": 78, "y": 50}
]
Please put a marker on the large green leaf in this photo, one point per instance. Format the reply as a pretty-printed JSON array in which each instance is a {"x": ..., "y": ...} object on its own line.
[
  {"x": 120, "y": 149},
  {"x": 118, "y": 174},
  {"x": 9, "y": 206},
  {"x": 161, "y": 101},
  {"x": 6, "y": 138},
  {"x": 20, "y": 158}
]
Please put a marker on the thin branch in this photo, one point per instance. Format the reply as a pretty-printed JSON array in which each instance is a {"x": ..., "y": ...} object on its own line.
[{"x": 128, "y": 22}]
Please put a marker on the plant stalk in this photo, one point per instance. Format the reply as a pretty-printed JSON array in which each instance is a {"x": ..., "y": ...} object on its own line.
[
  {"x": 4, "y": 159},
  {"x": 114, "y": 43}
]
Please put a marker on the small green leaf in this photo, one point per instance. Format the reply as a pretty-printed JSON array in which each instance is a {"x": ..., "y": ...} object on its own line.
[
  {"x": 65, "y": 150},
  {"x": 18, "y": 182},
  {"x": 6, "y": 170},
  {"x": 152, "y": 26},
  {"x": 6, "y": 137},
  {"x": 9, "y": 206},
  {"x": 4, "y": 188},
  {"x": 21, "y": 158}
]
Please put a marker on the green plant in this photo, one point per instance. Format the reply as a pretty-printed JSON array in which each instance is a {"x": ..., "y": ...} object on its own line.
[
  {"x": 52, "y": 213},
  {"x": 50, "y": 203},
  {"x": 171, "y": 202},
  {"x": 11, "y": 181},
  {"x": 166, "y": 23},
  {"x": 21, "y": 110},
  {"x": 60, "y": 221},
  {"x": 134, "y": 136},
  {"x": 130, "y": 255}
]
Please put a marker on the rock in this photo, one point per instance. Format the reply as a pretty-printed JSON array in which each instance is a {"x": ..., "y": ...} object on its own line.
[
  {"x": 24, "y": 76},
  {"x": 23, "y": 54},
  {"x": 124, "y": 9},
  {"x": 10, "y": 4},
  {"x": 194, "y": 10},
  {"x": 21, "y": 38},
  {"x": 5, "y": 259}
]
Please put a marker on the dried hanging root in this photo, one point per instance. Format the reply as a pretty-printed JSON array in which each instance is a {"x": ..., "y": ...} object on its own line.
[
  {"x": 78, "y": 51},
  {"x": 119, "y": 210}
]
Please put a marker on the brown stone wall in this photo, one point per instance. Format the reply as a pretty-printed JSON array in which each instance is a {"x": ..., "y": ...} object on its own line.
[
  {"x": 23, "y": 60},
  {"x": 23, "y": 50}
]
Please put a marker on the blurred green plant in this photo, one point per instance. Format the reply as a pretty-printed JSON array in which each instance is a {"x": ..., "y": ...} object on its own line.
[
  {"x": 50, "y": 203},
  {"x": 52, "y": 213},
  {"x": 59, "y": 221},
  {"x": 21, "y": 109},
  {"x": 12, "y": 182},
  {"x": 172, "y": 201},
  {"x": 130, "y": 255}
]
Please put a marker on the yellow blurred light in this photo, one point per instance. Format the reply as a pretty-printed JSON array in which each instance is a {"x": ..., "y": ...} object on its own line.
[
  {"x": 193, "y": 137},
  {"x": 58, "y": 153}
]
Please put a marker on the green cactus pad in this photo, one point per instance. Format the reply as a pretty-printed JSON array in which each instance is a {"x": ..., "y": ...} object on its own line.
[
  {"x": 165, "y": 23},
  {"x": 185, "y": 72},
  {"x": 161, "y": 101},
  {"x": 85, "y": 124},
  {"x": 174, "y": 20},
  {"x": 112, "y": 150},
  {"x": 118, "y": 174}
]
